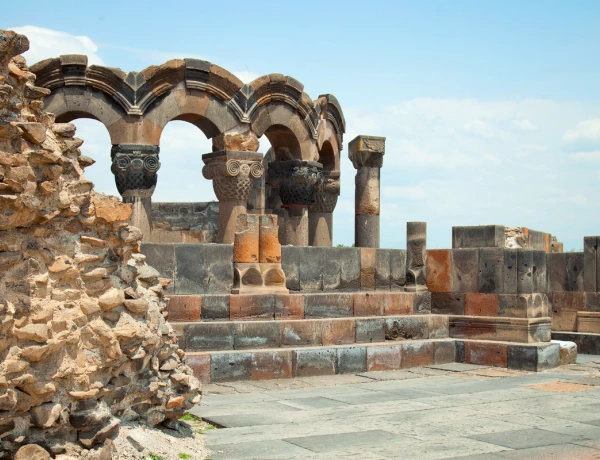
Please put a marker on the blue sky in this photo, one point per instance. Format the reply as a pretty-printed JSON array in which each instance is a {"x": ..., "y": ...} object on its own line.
[{"x": 491, "y": 109}]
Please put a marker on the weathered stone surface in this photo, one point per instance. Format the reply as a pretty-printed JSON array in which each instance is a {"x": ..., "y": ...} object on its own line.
[{"x": 32, "y": 452}]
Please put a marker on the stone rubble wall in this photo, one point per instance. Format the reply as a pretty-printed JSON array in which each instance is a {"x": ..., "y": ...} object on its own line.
[{"x": 83, "y": 340}]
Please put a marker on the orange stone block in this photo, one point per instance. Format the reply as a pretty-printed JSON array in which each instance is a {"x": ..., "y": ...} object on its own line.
[
  {"x": 245, "y": 243},
  {"x": 339, "y": 332},
  {"x": 486, "y": 354},
  {"x": 398, "y": 303},
  {"x": 438, "y": 268},
  {"x": 270, "y": 249},
  {"x": 563, "y": 320},
  {"x": 268, "y": 365},
  {"x": 184, "y": 308},
  {"x": 368, "y": 304},
  {"x": 415, "y": 354},
  {"x": 200, "y": 365},
  {"x": 383, "y": 357},
  {"x": 480, "y": 304},
  {"x": 289, "y": 306},
  {"x": 300, "y": 333},
  {"x": 367, "y": 269},
  {"x": 111, "y": 210},
  {"x": 251, "y": 307}
]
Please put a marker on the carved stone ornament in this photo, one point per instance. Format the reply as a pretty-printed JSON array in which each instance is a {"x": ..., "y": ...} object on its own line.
[
  {"x": 296, "y": 180},
  {"x": 135, "y": 166},
  {"x": 367, "y": 151},
  {"x": 232, "y": 174},
  {"x": 327, "y": 195}
]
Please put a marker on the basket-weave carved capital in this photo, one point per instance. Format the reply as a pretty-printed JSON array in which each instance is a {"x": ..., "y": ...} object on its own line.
[
  {"x": 135, "y": 166},
  {"x": 327, "y": 195},
  {"x": 232, "y": 173},
  {"x": 296, "y": 180}
]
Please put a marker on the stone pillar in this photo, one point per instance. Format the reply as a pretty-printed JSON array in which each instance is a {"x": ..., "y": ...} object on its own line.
[
  {"x": 135, "y": 168},
  {"x": 320, "y": 217},
  {"x": 366, "y": 154},
  {"x": 297, "y": 181},
  {"x": 232, "y": 173},
  {"x": 416, "y": 253}
]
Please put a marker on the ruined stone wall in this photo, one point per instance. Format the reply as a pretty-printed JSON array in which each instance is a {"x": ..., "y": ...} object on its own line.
[
  {"x": 185, "y": 222},
  {"x": 83, "y": 340}
]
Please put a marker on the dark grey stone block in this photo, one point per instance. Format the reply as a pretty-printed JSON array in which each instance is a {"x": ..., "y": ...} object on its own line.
[
  {"x": 422, "y": 302},
  {"x": 366, "y": 231},
  {"x": 591, "y": 271},
  {"x": 592, "y": 301},
  {"x": 370, "y": 330},
  {"x": 465, "y": 270},
  {"x": 226, "y": 367},
  {"x": 311, "y": 268},
  {"x": 574, "y": 271},
  {"x": 397, "y": 268},
  {"x": 510, "y": 271},
  {"x": 444, "y": 352},
  {"x": 218, "y": 259},
  {"x": 557, "y": 271},
  {"x": 525, "y": 271},
  {"x": 448, "y": 303},
  {"x": 491, "y": 270},
  {"x": 481, "y": 236},
  {"x": 332, "y": 269},
  {"x": 215, "y": 307},
  {"x": 209, "y": 336},
  {"x": 351, "y": 360},
  {"x": 460, "y": 351},
  {"x": 290, "y": 264},
  {"x": 538, "y": 240},
  {"x": 383, "y": 269},
  {"x": 523, "y": 358},
  {"x": 329, "y": 305},
  {"x": 539, "y": 272},
  {"x": 406, "y": 328},
  {"x": 587, "y": 344},
  {"x": 254, "y": 334},
  {"x": 350, "y": 263},
  {"x": 161, "y": 256},
  {"x": 190, "y": 268},
  {"x": 314, "y": 361}
]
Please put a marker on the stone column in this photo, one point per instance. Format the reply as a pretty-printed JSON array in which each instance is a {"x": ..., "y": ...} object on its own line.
[
  {"x": 416, "y": 253},
  {"x": 320, "y": 217},
  {"x": 366, "y": 154},
  {"x": 135, "y": 168},
  {"x": 232, "y": 173},
  {"x": 297, "y": 181}
]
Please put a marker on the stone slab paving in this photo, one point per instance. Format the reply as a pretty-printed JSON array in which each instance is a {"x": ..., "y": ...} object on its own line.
[{"x": 444, "y": 411}]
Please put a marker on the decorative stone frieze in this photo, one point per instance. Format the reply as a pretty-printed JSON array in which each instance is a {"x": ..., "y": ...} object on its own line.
[
  {"x": 296, "y": 180},
  {"x": 135, "y": 167}
]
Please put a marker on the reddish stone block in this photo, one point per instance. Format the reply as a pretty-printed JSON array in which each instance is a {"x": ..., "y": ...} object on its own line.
[
  {"x": 564, "y": 320},
  {"x": 246, "y": 239},
  {"x": 415, "y": 354},
  {"x": 339, "y": 332},
  {"x": 486, "y": 354},
  {"x": 183, "y": 308},
  {"x": 398, "y": 303},
  {"x": 383, "y": 357},
  {"x": 568, "y": 301},
  {"x": 480, "y": 304},
  {"x": 268, "y": 365},
  {"x": 200, "y": 365},
  {"x": 367, "y": 268},
  {"x": 289, "y": 306},
  {"x": 368, "y": 304},
  {"x": 300, "y": 333},
  {"x": 438, "y": 268},
  {"x": 251, "y": 307}
]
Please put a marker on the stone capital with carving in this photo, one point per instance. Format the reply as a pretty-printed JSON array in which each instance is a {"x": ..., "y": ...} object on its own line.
[
  {"x": 367, "y": 151},
  {"x": 297, "y": 181},
  {"x": 232, "y": 173},
  {"x": 327, "y": 194},
  {"x": 135, "y": 167}
]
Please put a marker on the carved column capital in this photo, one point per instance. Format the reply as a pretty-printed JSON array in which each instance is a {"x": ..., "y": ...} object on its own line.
[
  {"x": 135, "y": 167},
  {"x": 232, "y": 173},
  {"x": 367, "y": 151},
  {"x": 297, "y": 181},
  {"x": 327, "y": 194}
]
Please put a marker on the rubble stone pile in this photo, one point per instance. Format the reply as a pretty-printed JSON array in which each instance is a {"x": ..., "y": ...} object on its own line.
[{"x": 83, "y": 339}]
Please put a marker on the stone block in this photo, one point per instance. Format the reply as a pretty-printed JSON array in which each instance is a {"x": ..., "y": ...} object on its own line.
[
  {"x": 591, "y": 270},
  {"x": 300, "y": 333},
  {"x": 162, "y": 258},
  {"x": 568, "y": 352},
  {"x": 290, "y": 264},
  {"x": 383, "y": 269},
  {"x": 557, "y": 272},
  {"x": 350, "y": 264},
  {"x": 416, "y": 254},
  {"x": 524, "y": 271},
  {"x": 533, "y": 357},
  {"x": 215, "y": 307},
  {"x": 588, "y": 344},
  {"x": 422, "y": 302},
  {"x": 328, "y": 305},
  {"x": 539, "y": 271},
  {"x": 564, "y": 321},
  {"x": 263, "y": 334},
  {"x": 332, "y": 270},
  {"x": 271, "y": 364},
  {"x": 574, "y": 271},
  {"x": 486, "y": 353},
  {"x": 251, "y": 307},
  {"x": 312, "y": 362},
  {"x": 209, "y": 336},
  {"x": 480, "y": 304},
  {"x": 588, "y": 322},
  {"x": 523, "y": 330},
  {"x": 465, "y": 270},
  {"x": 568, "y": 301},
  {"x": 438, "y": 327},
  {"x": 460, "y": 351},
  {"x": 592, "y": 301},
  {"x": 523, "y": 305},
  {"x": 245, "y": 246},
  {"x": 367, "y": 269},
  {"x": 510, "y": 271},
  {"x": 368, "y": 304},
  {"x": 416, "y": 354},
  {"x": 480, "y": 236},
  {"x": 289, "y": 306},
  {"x": 370, "y": 330},
  {"x": 448, "y": 303},
  {"x": 311, "y": 268},
  {"x": 397, "y": 268},
  {"x": 438, "y": 269},
  {"x": 228, "y": 367},
  {"x": 339, "y": 332},
  {"x": 366, "y": 231},
  {"x": 184, "y": 308},
  {"x": 491, "y": 270},
  {"x": 218, "y": 259},
  {"x": 200, "y": 365},
  {"x": 407, "y": 328},
  {"x": 444, "y": 351},
  {"x": 398, "y": 303},
  {"x": 269, "y": 247},
  {"x": 351, "y": 360},
  {"x": 190, "y": 268},
  {"x": 383, "y": 357}
]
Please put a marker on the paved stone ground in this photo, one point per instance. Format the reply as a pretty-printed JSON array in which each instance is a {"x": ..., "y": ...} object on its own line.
[{"x": 445, "y": 411}]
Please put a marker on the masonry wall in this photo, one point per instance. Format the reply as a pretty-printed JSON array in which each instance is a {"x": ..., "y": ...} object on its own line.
[{"x": 196, "y": 222}]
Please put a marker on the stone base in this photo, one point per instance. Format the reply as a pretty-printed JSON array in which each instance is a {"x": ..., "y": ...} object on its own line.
[
  {"x": 257, "y": 278},
  {"x": 588, "y": 322},
  {"x": 522, "y": 330},
  {"x": 587, "y": 344}
]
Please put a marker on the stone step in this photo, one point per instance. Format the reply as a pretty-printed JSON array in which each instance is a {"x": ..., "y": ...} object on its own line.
[
  {"x": 521, "y": 330},
  {"x": 224, "y": 366},
  {"x": 194, "y": 308},
  {"x": 239, "y": 335},
  {"x": 587, "y": 343},
  {"x": 588, "y": 322}
]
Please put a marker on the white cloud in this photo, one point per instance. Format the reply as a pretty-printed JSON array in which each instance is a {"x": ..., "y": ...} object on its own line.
[
  {"x": 478, "y": 128},
  {"x": 587, "y": 156},
  {"x": 588, "y": 129},
  {"x": 47, "y": 43},
  {"x": 524, "y": 125}
]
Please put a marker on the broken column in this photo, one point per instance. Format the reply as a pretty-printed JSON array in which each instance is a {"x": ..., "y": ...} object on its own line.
[
  {"x": 232, "y": 173},
  {"x": 297, "y": 181},
  {"x": 416, "y": 253},
  {"x": 320, "y": 218},
  {"x": 135, "y": 167},
  {"x": 366, "y": 154}
]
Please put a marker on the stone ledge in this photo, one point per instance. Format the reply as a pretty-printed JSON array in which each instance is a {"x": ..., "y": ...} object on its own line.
[{"x": 523, "y": 330}]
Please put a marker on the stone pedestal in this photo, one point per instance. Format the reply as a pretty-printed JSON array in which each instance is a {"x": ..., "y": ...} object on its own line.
[
  {"x": 320, "y": 218},
  {"x": 232, "y": 173},
  {"x": 297, "y": 182},
  {"x": 416, "y": 253},
  {"x": 366, "y": 154},
  {"x": 135, "y": 168}
]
